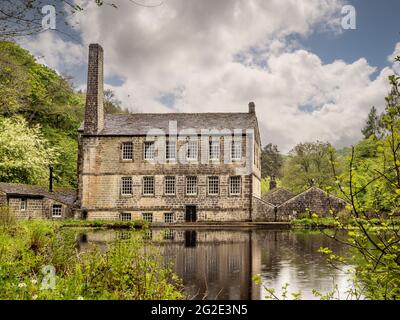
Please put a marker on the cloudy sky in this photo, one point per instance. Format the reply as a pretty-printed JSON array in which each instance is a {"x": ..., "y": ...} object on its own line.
[{"x": 310, "y": 78}]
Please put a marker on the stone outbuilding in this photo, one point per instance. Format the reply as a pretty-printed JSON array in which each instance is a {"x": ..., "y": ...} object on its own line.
[
  {"x": 29, "y": 202},
  {"x": 278, "y": 196},
  {"x": 313, "y": 200}
]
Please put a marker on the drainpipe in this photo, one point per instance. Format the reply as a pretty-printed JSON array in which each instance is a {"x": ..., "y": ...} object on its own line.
[{"x": 51, "y": 178}]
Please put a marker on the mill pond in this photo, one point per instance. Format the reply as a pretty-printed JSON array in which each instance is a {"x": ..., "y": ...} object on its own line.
[{"x": 219, "y": 264}]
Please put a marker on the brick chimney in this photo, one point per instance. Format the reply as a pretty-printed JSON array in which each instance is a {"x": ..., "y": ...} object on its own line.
[
  {"x": 94, "y": 111},
  {"x": 252, "y": 107}
]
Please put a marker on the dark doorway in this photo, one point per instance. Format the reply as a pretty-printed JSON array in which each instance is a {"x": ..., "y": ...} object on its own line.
[
  {"x": 190, "y": 238},
  {"x": 191, "y": 214}
]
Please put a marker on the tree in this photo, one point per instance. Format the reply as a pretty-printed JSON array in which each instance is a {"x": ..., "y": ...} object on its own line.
[
  {"x": 373, "y": 125},
  {"x": 25, "y": 154},
  {"x": 271, "y": 161},
  {"x": 111, "y": 103},
  {"x": 308, "y": 165}
]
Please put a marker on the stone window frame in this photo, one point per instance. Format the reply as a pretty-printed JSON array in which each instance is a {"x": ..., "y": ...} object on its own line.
[
  {"x": 147, "y": 217},
  {"x": 194, "y": 184},
  {"x": 239, "y": 186},
  {"x": 124, "y": 152},
  {"x": 166, "y": 186},
  {"x": 195, "y": 149},
  {"x": 152, "y": 151},
  {"x": 23, "y": 206},
  {"x": 169, "y": 217},
  {"x": 215, "y": 188},
  {"x": 146, "y": 187},
  {"x": 125, "y": 216},
  {"x": 126, "y": 187},
  {"x": 214, "y": 148},
  {"x": 168, "y": 145},
  {"x": 56, "y": 211},
  {"x": 236, "y": 150}
]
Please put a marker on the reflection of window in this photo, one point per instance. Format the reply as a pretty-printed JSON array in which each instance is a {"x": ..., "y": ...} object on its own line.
[
  {"x": 213, "y": 185},
  {"x": 192, "y": 150},
  {"x": 234, "y": 185},
  {"x": 169, "y": 235},
  {"x": 24, "y": 204},
  {"x": 236, "y": 150},
  {"x": 127, "y": 151},
  {"x": 170, "y": 150},
  {"x": 148, "y": 185},
  {"x": 126, "y": 186},
  {"x": 148, "y": 217},
  {"x": 149, "y": 150},
  {"x": 191, "y": 185},
  {"x": 168, "y": 217},
  {"x": 56, "y": 211},
  {"x": 169, "y": 186},
  {"x": 148, "y": 235},
  {"x": 214, "y": 150},
  {"x": 126, "y": 216}
]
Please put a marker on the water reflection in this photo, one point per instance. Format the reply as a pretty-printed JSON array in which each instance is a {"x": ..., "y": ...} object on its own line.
[{"x": 219, "y": 264}]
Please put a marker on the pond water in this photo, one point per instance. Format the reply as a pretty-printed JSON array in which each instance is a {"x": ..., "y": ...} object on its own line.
[{"x": 219, "y": 264}]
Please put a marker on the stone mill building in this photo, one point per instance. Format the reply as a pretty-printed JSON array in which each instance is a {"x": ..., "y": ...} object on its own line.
[{"x": 166, "y": 167}]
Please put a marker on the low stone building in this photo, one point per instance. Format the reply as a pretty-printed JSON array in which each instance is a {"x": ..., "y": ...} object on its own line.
[
  {"x": 282, "y": 205},
  {"x": 313, "y": 200},
  {"x": 278, "y": 196},
  {"x": 30, "y": 202}
]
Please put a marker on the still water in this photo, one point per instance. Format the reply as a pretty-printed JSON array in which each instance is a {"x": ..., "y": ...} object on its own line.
[{"x": 219, "y": 264}]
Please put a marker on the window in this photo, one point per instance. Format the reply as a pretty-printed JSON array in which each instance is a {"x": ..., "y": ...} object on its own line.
[
  {"x": 213, "y": 185},
  {"x": 214, "y": 150},
  {"x": 149, "y": 150},
  {"x": 127, "y": 151},
  {"x": 236, "y": 150},
  {"x": 169, "y": 217},
  {"x": 191, "y": 185},
  {"x": 169, "y": 186},
  {"x": 56, "y": 211},
  {"x": 126, "y": 216},
  {"x": 24, "y": 204},
  {"x": 148, "y": 185},
  {"x": 126, "y": 186},
  {"x": 148, "y": 217},
  {"x": 234, "y": 185},
  {"x": 192, "y": 150},
  {"x": 170, "y": 150}
]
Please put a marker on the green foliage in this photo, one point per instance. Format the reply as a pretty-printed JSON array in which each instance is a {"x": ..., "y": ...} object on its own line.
[
  {"x": 25, "y": 154},
  {"x": 271, "y": 161},
  {"x": 42, "y": 97},
  {"x": 308, "y": 164},
  {"x": 127, "y": 269},
  {"x": 373, "y": 126}
]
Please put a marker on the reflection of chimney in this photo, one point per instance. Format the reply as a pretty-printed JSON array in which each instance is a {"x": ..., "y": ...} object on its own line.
[
  {"x": 94, "y": 112},
  {"x": 252, "y": 107},
  {"x": 51, "y": 178},
  {"x": 272, "y": 183}
]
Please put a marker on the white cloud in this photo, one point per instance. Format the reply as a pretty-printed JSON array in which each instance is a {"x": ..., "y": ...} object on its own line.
[{"x": 219, "y": 55}]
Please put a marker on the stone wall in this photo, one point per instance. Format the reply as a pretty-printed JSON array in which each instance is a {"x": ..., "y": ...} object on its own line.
[
  {"x": 101, "y": 169},
  {"x": 263, "y": 211},
  {"x": 313, "y": 200},
  {"x": 37, "y": 208}
]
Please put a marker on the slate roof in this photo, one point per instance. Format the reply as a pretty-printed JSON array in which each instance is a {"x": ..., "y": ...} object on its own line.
[
  {"x": 66, "y": 197},
  {"x": 141, "y": 123},
  {"x": 278, "y": 196}
]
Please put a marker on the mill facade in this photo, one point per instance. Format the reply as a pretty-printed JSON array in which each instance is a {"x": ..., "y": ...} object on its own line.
[{"x": 165, "y": 167}]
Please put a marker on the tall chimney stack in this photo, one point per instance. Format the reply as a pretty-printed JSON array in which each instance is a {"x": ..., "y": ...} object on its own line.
[
  {"x": 94, "y": 112},
  {"x": 252, "y": 107}
]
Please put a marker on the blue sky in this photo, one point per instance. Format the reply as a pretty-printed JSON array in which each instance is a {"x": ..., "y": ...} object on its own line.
[
  {"x": 310, "y": 79},
  {"x": 378, "y": 31}
]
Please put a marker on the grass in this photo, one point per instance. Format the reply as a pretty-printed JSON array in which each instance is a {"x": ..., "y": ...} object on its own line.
[{"x": 109, "y": 224}]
